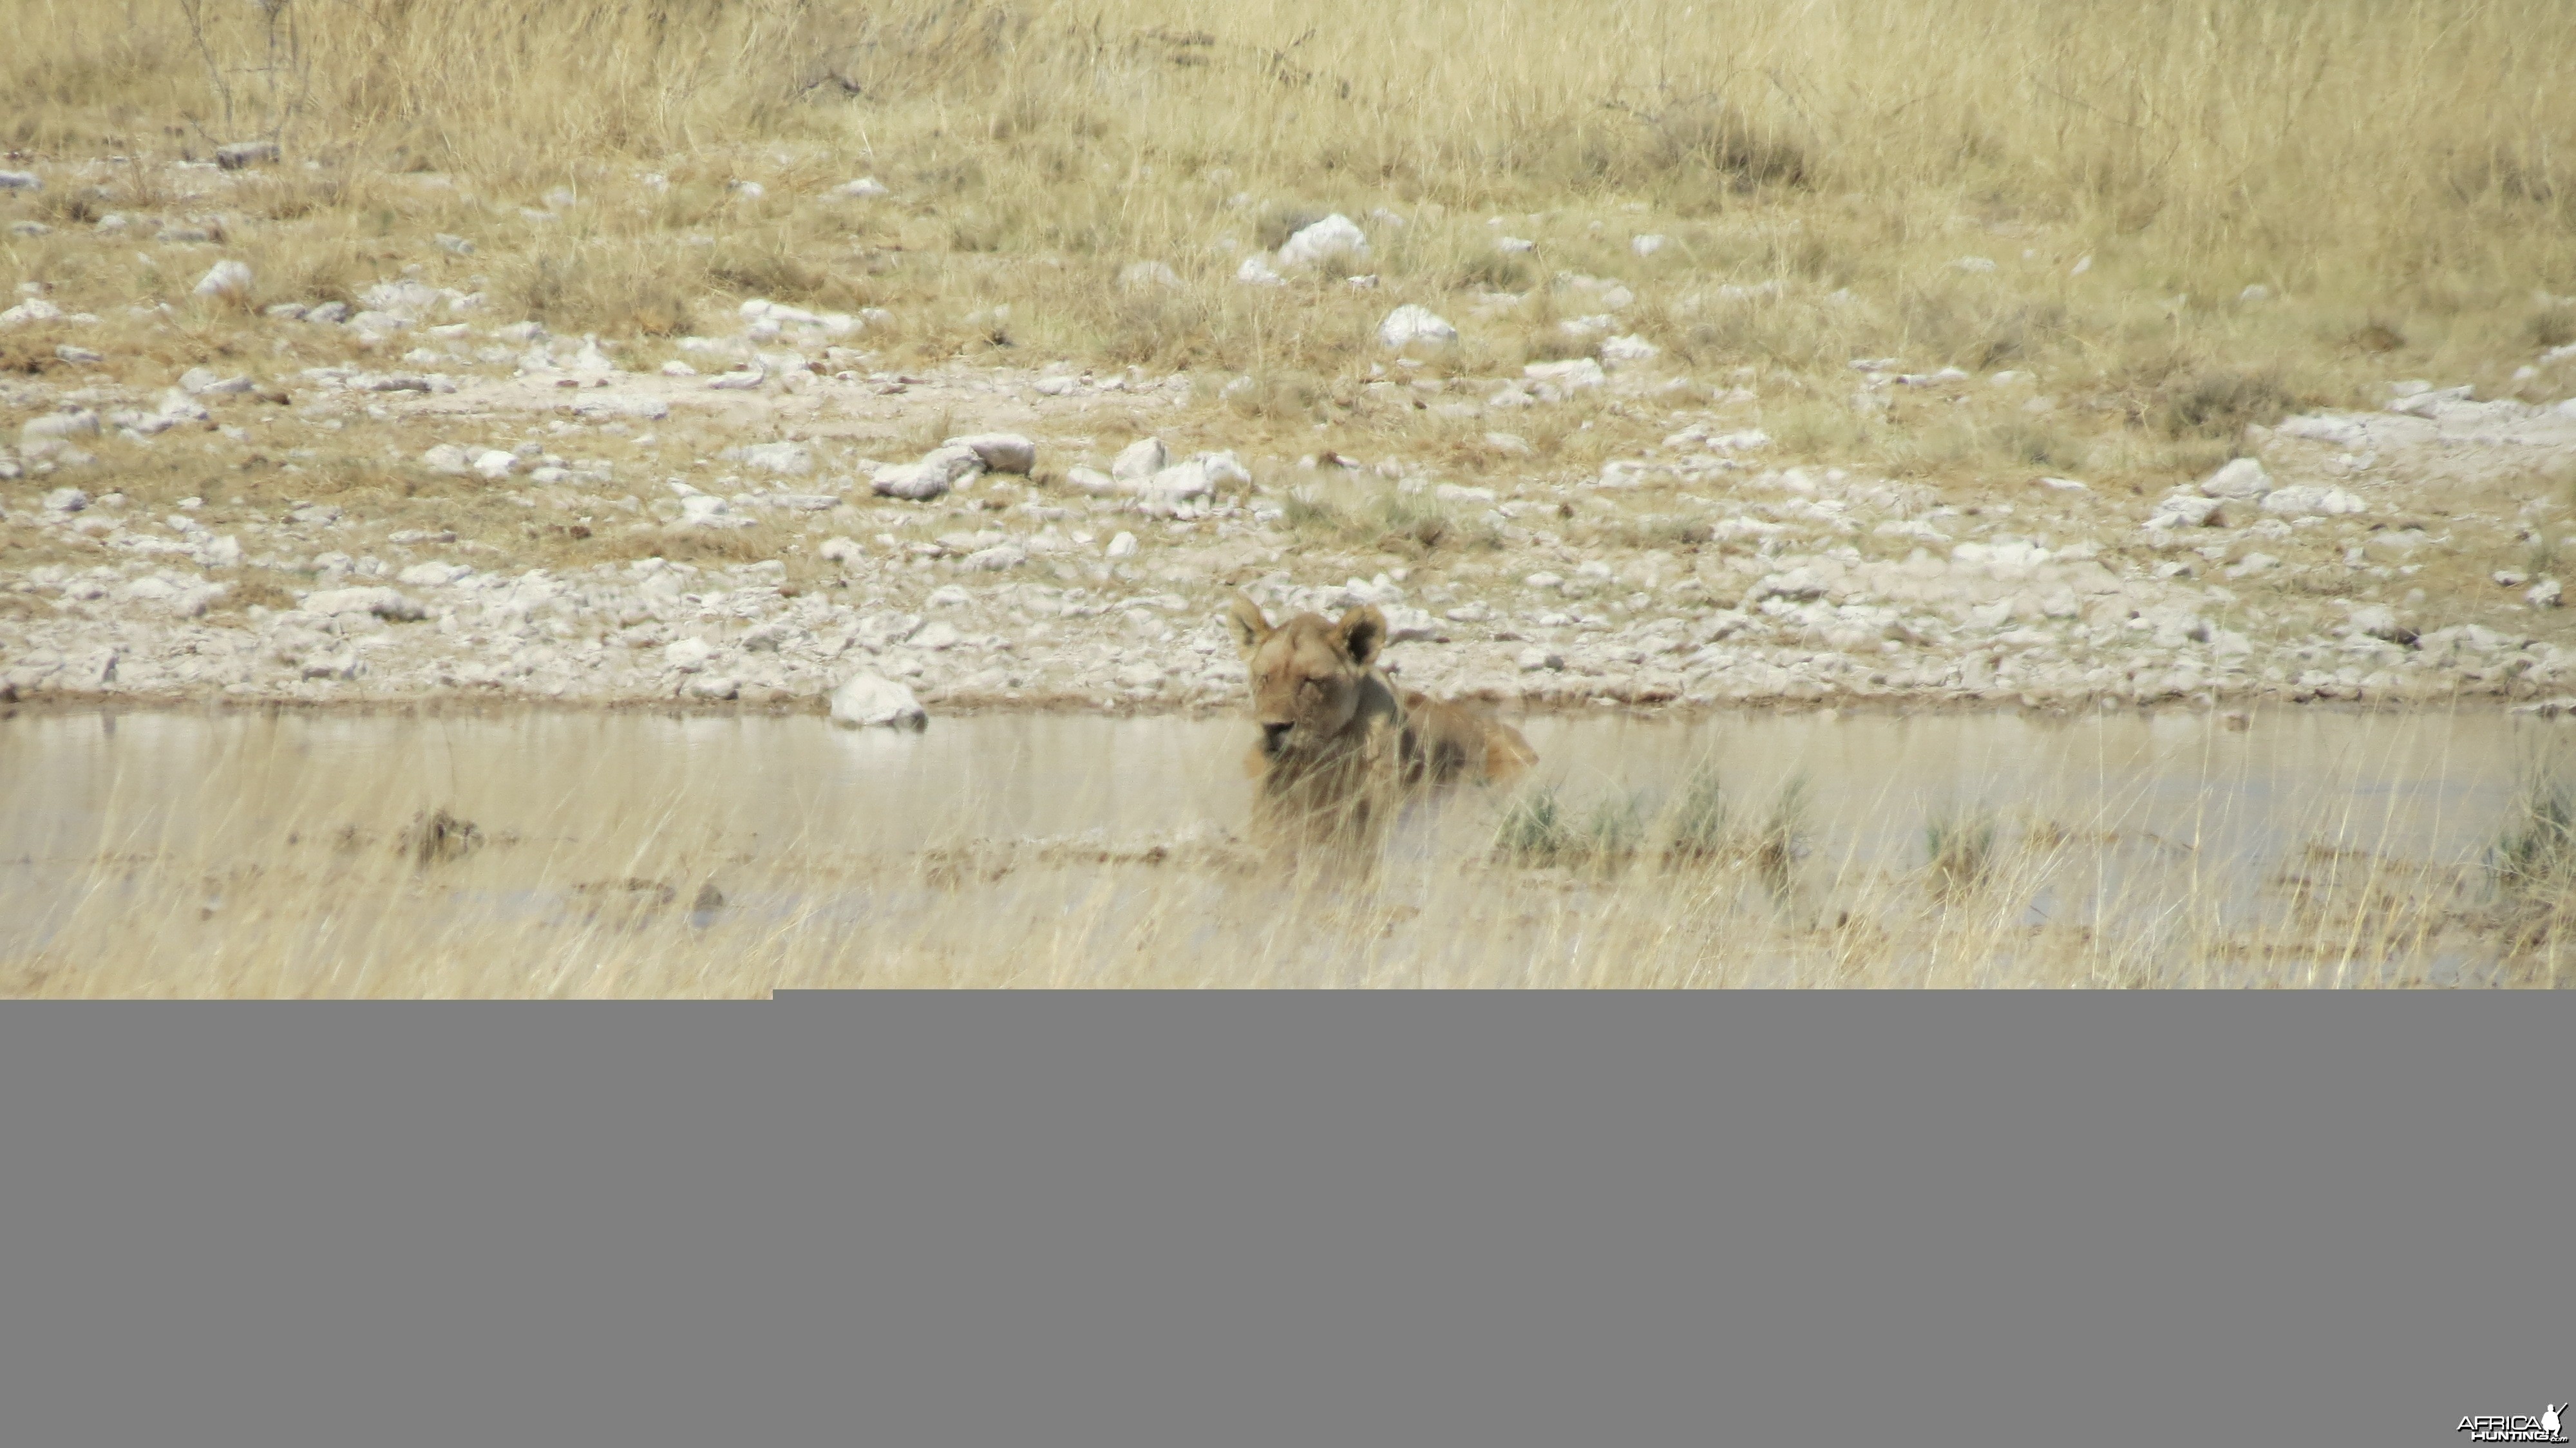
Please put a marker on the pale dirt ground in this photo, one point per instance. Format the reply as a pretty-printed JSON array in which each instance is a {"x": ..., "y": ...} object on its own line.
[{"x": 1686, "y": 573}]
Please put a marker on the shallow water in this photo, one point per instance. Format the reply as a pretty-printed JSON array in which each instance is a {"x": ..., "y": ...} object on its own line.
[{"x": 756, "y": 804}]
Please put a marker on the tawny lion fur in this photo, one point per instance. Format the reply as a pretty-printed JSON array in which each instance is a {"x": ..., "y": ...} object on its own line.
[{"x": 1336, "y": 732}]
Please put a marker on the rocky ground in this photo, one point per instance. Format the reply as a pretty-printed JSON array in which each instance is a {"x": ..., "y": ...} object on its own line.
[{"x": 417, "y": 500}]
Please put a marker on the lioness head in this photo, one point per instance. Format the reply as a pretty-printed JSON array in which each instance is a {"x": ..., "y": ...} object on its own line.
[{"x": 1309, "y": 677}]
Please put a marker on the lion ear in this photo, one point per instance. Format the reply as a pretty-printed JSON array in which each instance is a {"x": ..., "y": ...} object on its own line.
[
  {"x": 1243, "y": 618},
  {"x": 1363, "y": 631}
]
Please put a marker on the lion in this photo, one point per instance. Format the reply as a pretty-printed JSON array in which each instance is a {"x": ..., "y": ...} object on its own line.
[{"x": 1335, "y": 731}]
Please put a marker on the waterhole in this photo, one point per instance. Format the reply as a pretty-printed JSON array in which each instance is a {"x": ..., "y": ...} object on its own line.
[{"x": 549, "y": 854}]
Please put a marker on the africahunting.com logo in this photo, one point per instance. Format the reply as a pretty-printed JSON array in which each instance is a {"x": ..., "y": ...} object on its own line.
[{"x": 2549, "y": 1427}]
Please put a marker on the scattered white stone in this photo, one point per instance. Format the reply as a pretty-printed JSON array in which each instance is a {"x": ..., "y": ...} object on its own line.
[
  {"x": 1093, "y": 481},
  {"x": 21, "y": 181},
  {"x": 494, "y": 463},
  {"x": 1255, "y": 271},
  {"x": 2341, "y": 432},
  {"x": 1515, "y": 245},
  {"x": 446, "y": 458},
  {"x": 66, "y": 500},
  {"x": 2430, "y": 401},
  {"x": 792, "y": 459},
  {"x": 1621, "y": 351},
  {"x": 1413, "y": 323},
  {"x": 1647, "y": 245},
  {"x": 2255, "y": 293},
  {"x": 34, "y": 309},
  {"x": 227, "y": 278},
  {"x": 872, "y": 701},
  {"x": 688, "y": 655},
  {"x": 1122, "y": 546},
  {"x": 1000, "y": 452},
  {"x": 432, "y": 575},
  {"x": 1334, "y": 236},
  {"x": 455, "y": 245},
  {"x": 861, "y": 189},
  {"x": 2241, "y": 478},
  {"x": 1569, "y": 376},
  {"x": 2065, "y": 485},
  {"x": 1973, "y": 264},
  {"x": 2545, "y": 594},
  {"x": 997, "y": 558},
  {"x": 2183, "y": 510},
  {"x": 78, "y": 422},
  {"x": 2311, "y": 500},
  {"x": 384, "y": 603},
  {"x": 77, "y": 356}
]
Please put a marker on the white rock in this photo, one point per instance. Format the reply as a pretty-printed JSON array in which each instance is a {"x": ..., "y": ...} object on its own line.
[
  {"x": 1000, "y": 452},
  {"x": 80, "y": 422},
  {"x": 1621, "y": 351},
  {"x": 1140, "y": 460},
  {"x": 34, "y": 309},
  {"x": 2376, "y": 620},
  {"x": 869, "y": 700},
  {"x": 77, "y": 356},
  {"x": 1973, "y": 264},
  {"x": 840, "y": 550},
  {"x": 225, "y": 278},
  {"x": 790, "y": 458},
  {"x": 2255, "y": 293},
  {"x": 494, "y": 463},
  {"x": 66, "y": 500},
  {"x": 1334, "y": 236},
  {"x": 2183, "y": 510},
  {"x": 996, "y": 559},
  {"x": 1411, "y": 323},
  {"x": 1646, "y": 245},
  {"x": 1570, "y": 376},
  {"x": 677, "y": 368},
  {"x": 2342, "y": 432},
  {"x": 2240, "y": 478},
  {"x": 1093, "y": 481},
  {"x": 1543, "y": 580},
  {"x": 1139, "y": 274},
  {"x": 432, "y": 575},
  {"x": 2311, "y": 500},
  {"x": 384, "y": 603},
  {"x": 861, "y": 189},
  {"x": 1515, "y": 245},
  {"x": 446, "y": 458},
  {"x": 1123, "y": 546},
  {"x": 688, "y": 655},
  {"x": 1534, "y": 658},
  {"x": 1255, "y": 271},
  {"x": 2429, "y": 402},
  {"x": 21, "y": 181},
  {"x": 1167, "y": 490},
  {"x": 939, "y": 470}
]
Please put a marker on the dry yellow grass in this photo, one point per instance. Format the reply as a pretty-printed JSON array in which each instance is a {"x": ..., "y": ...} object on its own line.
[{"x": 2395, "y": 173}]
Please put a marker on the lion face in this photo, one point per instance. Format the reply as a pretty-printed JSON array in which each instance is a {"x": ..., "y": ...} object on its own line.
[{"x": 1310, "y": 678}]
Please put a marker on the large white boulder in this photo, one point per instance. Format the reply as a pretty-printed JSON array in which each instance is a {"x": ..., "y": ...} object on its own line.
[
  {"x": 871, "y": 700},
  {"x": 939, "y": 470},
  {"x": 1411, "y": 323},
  {"x": 2242, "y": 478},
  {"x": 1334, "y": 236},
  {"x": 1000, "y": 452}
]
